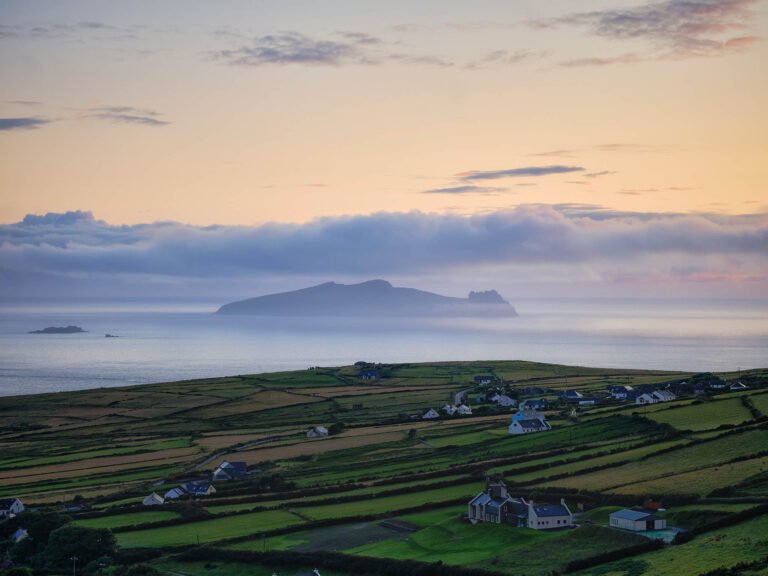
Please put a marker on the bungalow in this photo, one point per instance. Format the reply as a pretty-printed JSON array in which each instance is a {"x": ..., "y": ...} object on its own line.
[
  {"x": 175, "y": 493},
  {"x": 637, "y": 521},
  {"x": 736, "y": 386},
  {"x": 9, "y": 507},
  {"x": 199, "y": 489},
  {"x": 619, "y": 392},
  {"x": 430, "y": 414},
  {"x": 527, "y": 422},
  {"x": 571, "y": 396},
  {"x": 645, "y": 399},
  {"x": 230, "y": 471},
  {"x": 663, "y": 395},
  {"x": 494, "y": 505},
  {"x": 317, "y": 432},
  {"x": 538, "y": 404},
  {"x": 504, "y": 400},
  {"x": 464, "y": 410},
  {"x": 153, "y": 499}
]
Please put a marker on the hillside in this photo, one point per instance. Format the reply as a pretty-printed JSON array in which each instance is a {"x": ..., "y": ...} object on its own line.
[
  {"x": 377, "y": 298},
  {"x": 307, "y": 499}
]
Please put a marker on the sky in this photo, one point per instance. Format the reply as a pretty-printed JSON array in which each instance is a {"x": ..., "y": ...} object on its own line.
[{"x": 612, "y": 148}]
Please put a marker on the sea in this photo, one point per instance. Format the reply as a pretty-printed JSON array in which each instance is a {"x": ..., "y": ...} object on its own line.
[{"x": 169, "y": 341}]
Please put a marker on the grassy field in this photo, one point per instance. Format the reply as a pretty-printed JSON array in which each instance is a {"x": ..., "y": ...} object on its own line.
[{"x": 111, "y": 446}]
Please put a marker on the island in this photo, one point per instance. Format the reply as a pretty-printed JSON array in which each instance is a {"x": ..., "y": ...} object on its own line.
[
  {"x": 59, "y": 330},
  {"x": 374, "y": 298}
]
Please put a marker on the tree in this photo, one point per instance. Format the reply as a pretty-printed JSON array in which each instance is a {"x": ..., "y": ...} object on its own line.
[
  {"x": 336, "y": 428},
  {"x": 87, "y": 544}
]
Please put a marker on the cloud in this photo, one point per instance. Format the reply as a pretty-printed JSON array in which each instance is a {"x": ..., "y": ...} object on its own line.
[
  {"x": 465, "y": 190},
  {"x": 599, "y": 174},
  {"x": 24, "y": 102},
  {"x": 28, "y": 123},
  {"x": 65, "y": 30},
  {"x": 76, "y": 245},
  {"x": 127, "y": 115},
  {"x": 670, "y": 30},
  {"x": 557, "y": 153},
  {"x": 518, "y": 172},
  {"x": 505, "y": 58}
]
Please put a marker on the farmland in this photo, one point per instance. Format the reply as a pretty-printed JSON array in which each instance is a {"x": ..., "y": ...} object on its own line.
[{"x": 109, "y": 448}]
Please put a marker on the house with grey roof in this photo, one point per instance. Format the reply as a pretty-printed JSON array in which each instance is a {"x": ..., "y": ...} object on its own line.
[
  {"x": 494, "y": 505},
  {"x": 636, "y": 520},
  {"x": 317, "y": 432},
  {"x": 528, "y": 422},
  {"x": 229, "y": 471},
  {"x": 9, "y": 507},
  {"x": 153, "y": 499}
]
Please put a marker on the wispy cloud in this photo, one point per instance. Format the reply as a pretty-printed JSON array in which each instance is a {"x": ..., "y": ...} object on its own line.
[
  {"x": 465, "y": 190},
  {"x": 518, "y": 172},
  {"x": 673, "y": 29},
  {"x": 28, "y": 123},
  {"x": 505, "y": 58},
  {"x": 48, "y": 31},
  {"x": 599, "y": 174},
  {"x": 127, "y": 115}
]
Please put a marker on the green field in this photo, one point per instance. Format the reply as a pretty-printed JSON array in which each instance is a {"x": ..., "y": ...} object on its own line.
[{"x": 704, "y": 416}]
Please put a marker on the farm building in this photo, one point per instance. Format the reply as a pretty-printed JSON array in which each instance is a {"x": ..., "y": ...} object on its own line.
[
  {"x": 9, "y": 507},
  {"x": 430, "y": 414},
  {"x": 637, "y": 521},
  {"x": 317, "y": 432},
  {"x": 527, "y": 422},
  {"x": 494, "y": 505},
  {"x": 153, "y": 499},
  {"x": 230, "y": 471}
]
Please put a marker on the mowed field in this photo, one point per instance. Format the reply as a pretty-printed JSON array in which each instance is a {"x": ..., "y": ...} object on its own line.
[{"x": 115, "y": 446}]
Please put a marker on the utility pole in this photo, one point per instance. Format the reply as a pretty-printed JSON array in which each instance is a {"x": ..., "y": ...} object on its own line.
[{"x": 74, "y": 564}]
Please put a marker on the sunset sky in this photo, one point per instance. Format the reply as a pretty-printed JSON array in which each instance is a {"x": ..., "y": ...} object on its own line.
[{"x": 604, "y": 148}]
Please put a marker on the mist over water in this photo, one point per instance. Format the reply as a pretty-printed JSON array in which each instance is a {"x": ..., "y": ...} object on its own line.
[{"x": 161, "y": 342}]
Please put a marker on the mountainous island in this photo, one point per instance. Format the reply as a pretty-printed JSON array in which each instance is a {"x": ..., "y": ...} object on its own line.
[
  {"x": 373, "y": 298},
  {"x": 59, "y": 330}
]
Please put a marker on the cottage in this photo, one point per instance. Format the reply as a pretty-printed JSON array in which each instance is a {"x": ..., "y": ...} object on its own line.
[
  {"x": 663, "y": 395},
  {"x": 637, "y": 521},
  {"x": 494, "y": 505},
  {"x": 199, "y": 489},
  {"x": 449, "y": 409},
  {"x": 230, "y": 471},
  {"x": 737, "y": 386},
  {"x": 646, "y": 398},
  {"x": 430, "y": 414},
  {"x": 464, "y": 410},
  {"x": 153, "y": 499},
  {"x": 175, "y": 493},
  {"x": 503, "y": 400},
  {"x": 527, "y": 422},
  {"x": 317, "y": 432},
  {"x": 10, "y": 507}
]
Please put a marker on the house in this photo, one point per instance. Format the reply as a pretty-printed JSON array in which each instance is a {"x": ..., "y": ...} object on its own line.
[
  {"x": 494, "y": 505},
  {"x": 199, "y": 489},
  {"x": 527, "y": 422},
  {"x": 464, "y": 410},
  {"x": 637, "y": 521},
  {"x": 230, "y": 471},
  {"x": 484, "y": 379},
  {"x": 532, "y": 391},
  {"x": 10, "y": 507},
  {"x": 317, "y": 432},
  {"x": 736, "y": 386},
  {"x": 664, "y": 395},
  {"x": 430, "y": 414},
  {"x": 645, "y": 398},
  {"x": 571, "y": 396},
  {"x": 449, "y": 409},
  {"x": 19, "y": 535},
  {"x": 175, "y": 493},
  {"x": 369, "y": 375},
  {"x": 619, "y": 392},
  {"x": 537, "y": 404},
  {"x": 153, "y": 499},
  {"x": 504, "y": 400}
]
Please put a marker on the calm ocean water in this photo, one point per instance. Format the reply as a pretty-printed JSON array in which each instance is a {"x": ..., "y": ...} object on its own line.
[{"x": 161, "y": 342}]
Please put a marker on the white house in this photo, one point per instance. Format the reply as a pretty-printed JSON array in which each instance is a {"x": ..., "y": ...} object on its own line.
[
  {"x": 9, "y": 507},
  {"x": 504, "y": 400},
  {"x": 736, "y": 386},
  {"x": 646, "y": 399},
  {"x": 449, "y": 409},
  {"x": 175, "y": 493},
  {"x": 317, "y": 432},
  {"x": 495, "y": 506},
  {"x": 430, "y": 414},
  {"x": 663, "y": 395},
  {"x": 464, "y": 410},
  {"x": 637, "y": 521},
  {"x": 527, "y": 422},
  {"x": 153, "y": 499}
]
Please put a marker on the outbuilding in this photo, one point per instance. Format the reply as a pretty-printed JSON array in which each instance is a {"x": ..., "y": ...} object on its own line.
[{"x": 637, "y": 520}]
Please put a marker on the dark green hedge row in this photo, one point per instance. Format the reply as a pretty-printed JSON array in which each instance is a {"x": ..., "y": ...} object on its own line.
[
  {"x": 333, "y": 561},
  {"x": 597, "y": 559},
  {"x": 737, "y": 569}
]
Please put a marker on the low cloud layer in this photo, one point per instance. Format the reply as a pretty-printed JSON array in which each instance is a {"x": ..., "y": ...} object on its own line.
[
  {"x": 518, "y": 172},
  {"x": 76, "y": 245},
  {"x": 28, "y": 123}
]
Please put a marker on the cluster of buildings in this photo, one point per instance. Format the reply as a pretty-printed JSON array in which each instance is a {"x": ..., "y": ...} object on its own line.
[
  {"x": 496, "y": 506},
  {"x": 201, "y": 487}
]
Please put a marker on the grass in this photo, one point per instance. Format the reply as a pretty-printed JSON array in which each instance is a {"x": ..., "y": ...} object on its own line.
[
  {"x": 119, "y": 520},
  {"x": 704, "y": 416}
]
